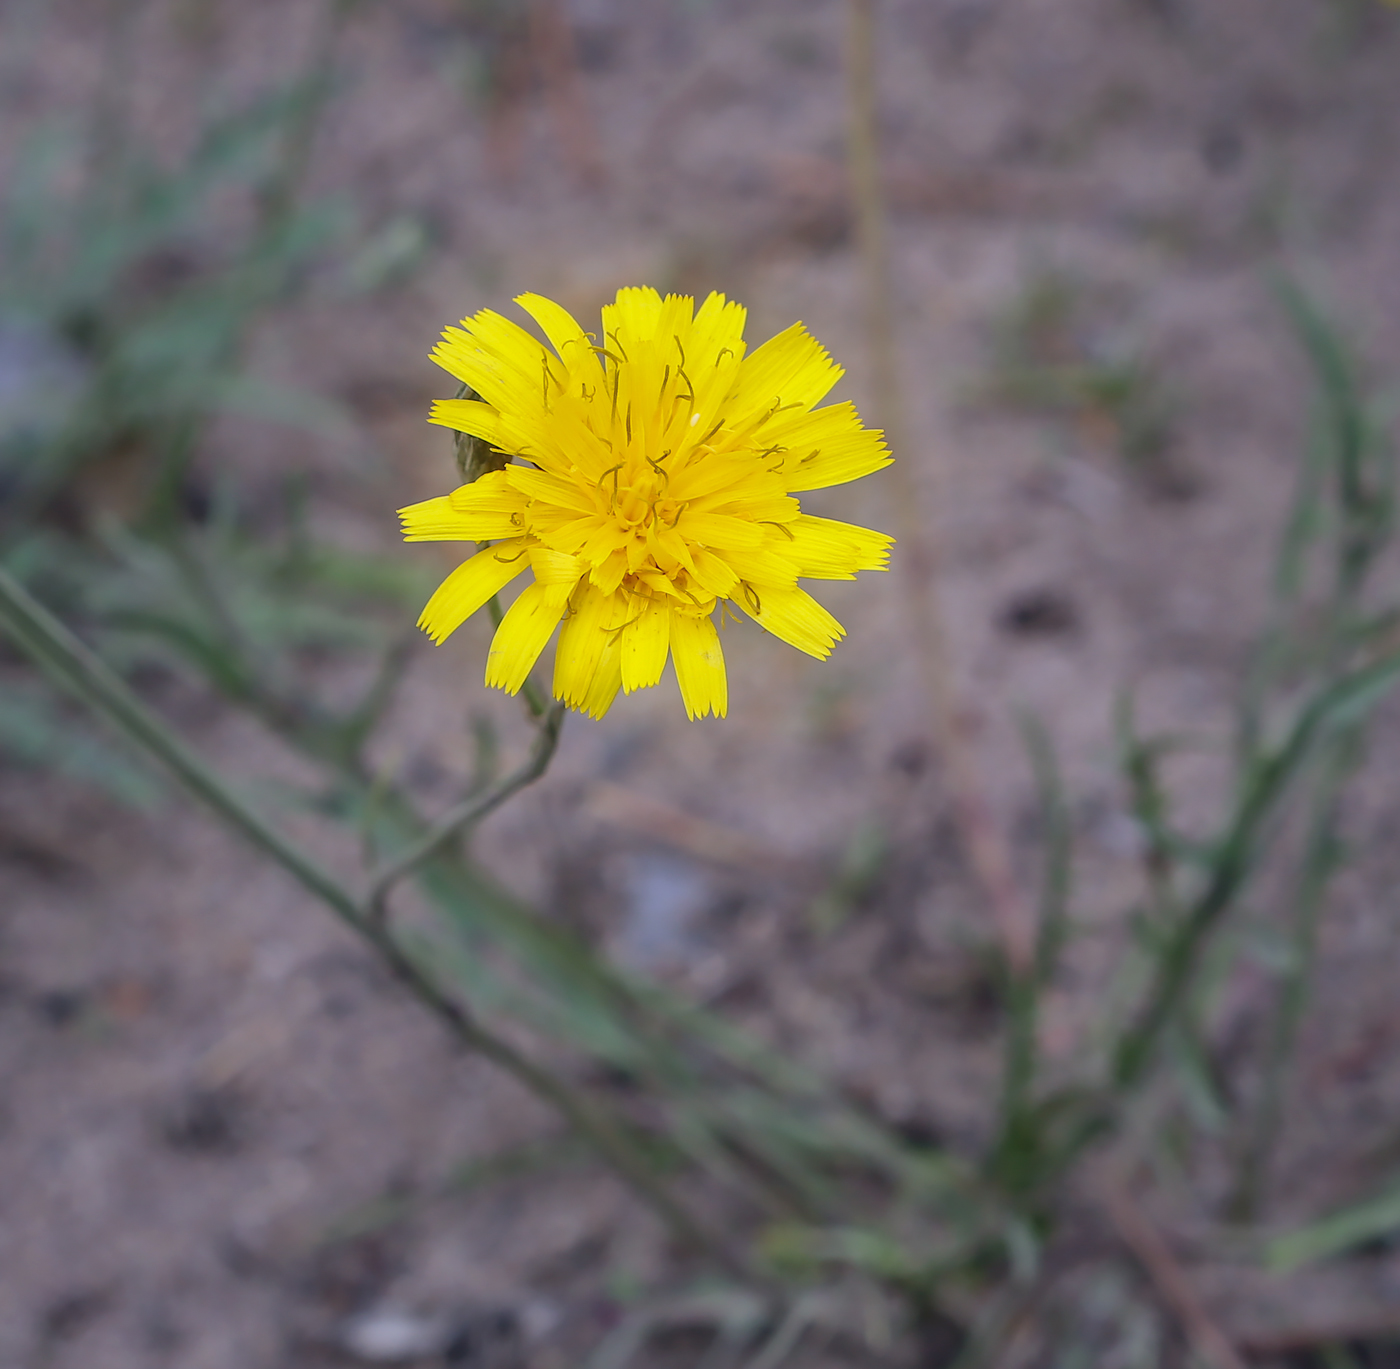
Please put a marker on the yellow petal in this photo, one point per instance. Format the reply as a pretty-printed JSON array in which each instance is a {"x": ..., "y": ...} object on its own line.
[
  {"x": 607, "y": 679},
  {"x": 469, "y": 416},
  {"x": 470, "y": 586},
  {"x": 718, "y": 332},
  {"x": 552, "y": 489},
  {"x": 790, "y": 369},
  {"x": 721, "y": 530},
  {"x": 435, "y": 520},
  {"x": 488, "y": 493},
  {"x": 827, "y": 549},
  {"x": 826, "y": 447},
  {"x": 479, "y": 512},
  {"x": 699, "y": 662},
  {"x": 497, "y": 358},
  {"x": 777, "y": 508},
  {"x": 523, "y": 634},
  {"x": 793, "y": 615},
  {"x": 770, "y": 565},
  {"x": 608, "y": 574},
  {"x": 509, "y": 346},
  {"x": 560, "y": 327},
  {"x": 645, "y": 642},
  {"x": 582, "y": 641},
  {"x": 632, "y": 316},
  {"x": 721, "y": 474},
  {"x": 713, "y": 351},
  {"x": 555, "y": 567},
  {"x": 713, "y": 573}
]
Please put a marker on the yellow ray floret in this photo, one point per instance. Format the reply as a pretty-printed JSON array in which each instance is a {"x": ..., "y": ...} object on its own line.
[{"x": 653, "y": 475}]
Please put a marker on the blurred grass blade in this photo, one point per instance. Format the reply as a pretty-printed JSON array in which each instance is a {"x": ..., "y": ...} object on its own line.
[
  {"x": 55, "y": 650},
  {"x": 1058, "y": 823},
  {"x": 34, "y": 733},
  {"x": 1356, "y": 446},
  {"x": 60, "y": 654},
  {"x": 251, "y": 397},
  {"x": 1377, "y": 1217},
  {"x": 1338, "y": 705}
]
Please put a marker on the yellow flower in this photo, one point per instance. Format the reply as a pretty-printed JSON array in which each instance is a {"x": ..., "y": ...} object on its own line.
[{"x": 652, "y": 480}]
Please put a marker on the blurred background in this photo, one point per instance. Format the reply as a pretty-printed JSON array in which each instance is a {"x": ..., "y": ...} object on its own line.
[{"x": 1125, "y": 287}]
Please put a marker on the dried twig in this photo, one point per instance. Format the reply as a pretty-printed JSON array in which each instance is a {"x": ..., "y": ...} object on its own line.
[
  {"x": 1154, "y": 1255},
  {"x": 920, "y": 552}
]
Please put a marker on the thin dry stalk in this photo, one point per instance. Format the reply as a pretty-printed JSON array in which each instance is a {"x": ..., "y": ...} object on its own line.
[
  {"x": 920, "y": 551},
  {"x": 1168, "y": 1278}
]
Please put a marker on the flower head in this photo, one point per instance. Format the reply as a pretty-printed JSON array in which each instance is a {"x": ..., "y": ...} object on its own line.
[{"x": 651, "y": 479}]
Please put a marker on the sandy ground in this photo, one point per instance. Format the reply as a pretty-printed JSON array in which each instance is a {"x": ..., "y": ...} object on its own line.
[{"x": 210, "y": 1094}]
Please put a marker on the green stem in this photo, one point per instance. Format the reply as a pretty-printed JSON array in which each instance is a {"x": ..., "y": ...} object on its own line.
[
  {"x": 46, "y": 641},
  {"x": 61, "y": 655},
  {"x": 1262, "y": 793},
  {"x": 467, "y": 814},
  {"x": 1342, "y": 704},
  {"x": 1319, "y": 864},
  {"x": 533, "y": 695},
  {"x": 1015, "y": 1156}
]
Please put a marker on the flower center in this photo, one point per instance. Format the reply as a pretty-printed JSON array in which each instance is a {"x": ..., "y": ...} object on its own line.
[{"x": 641, "y": 502}]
